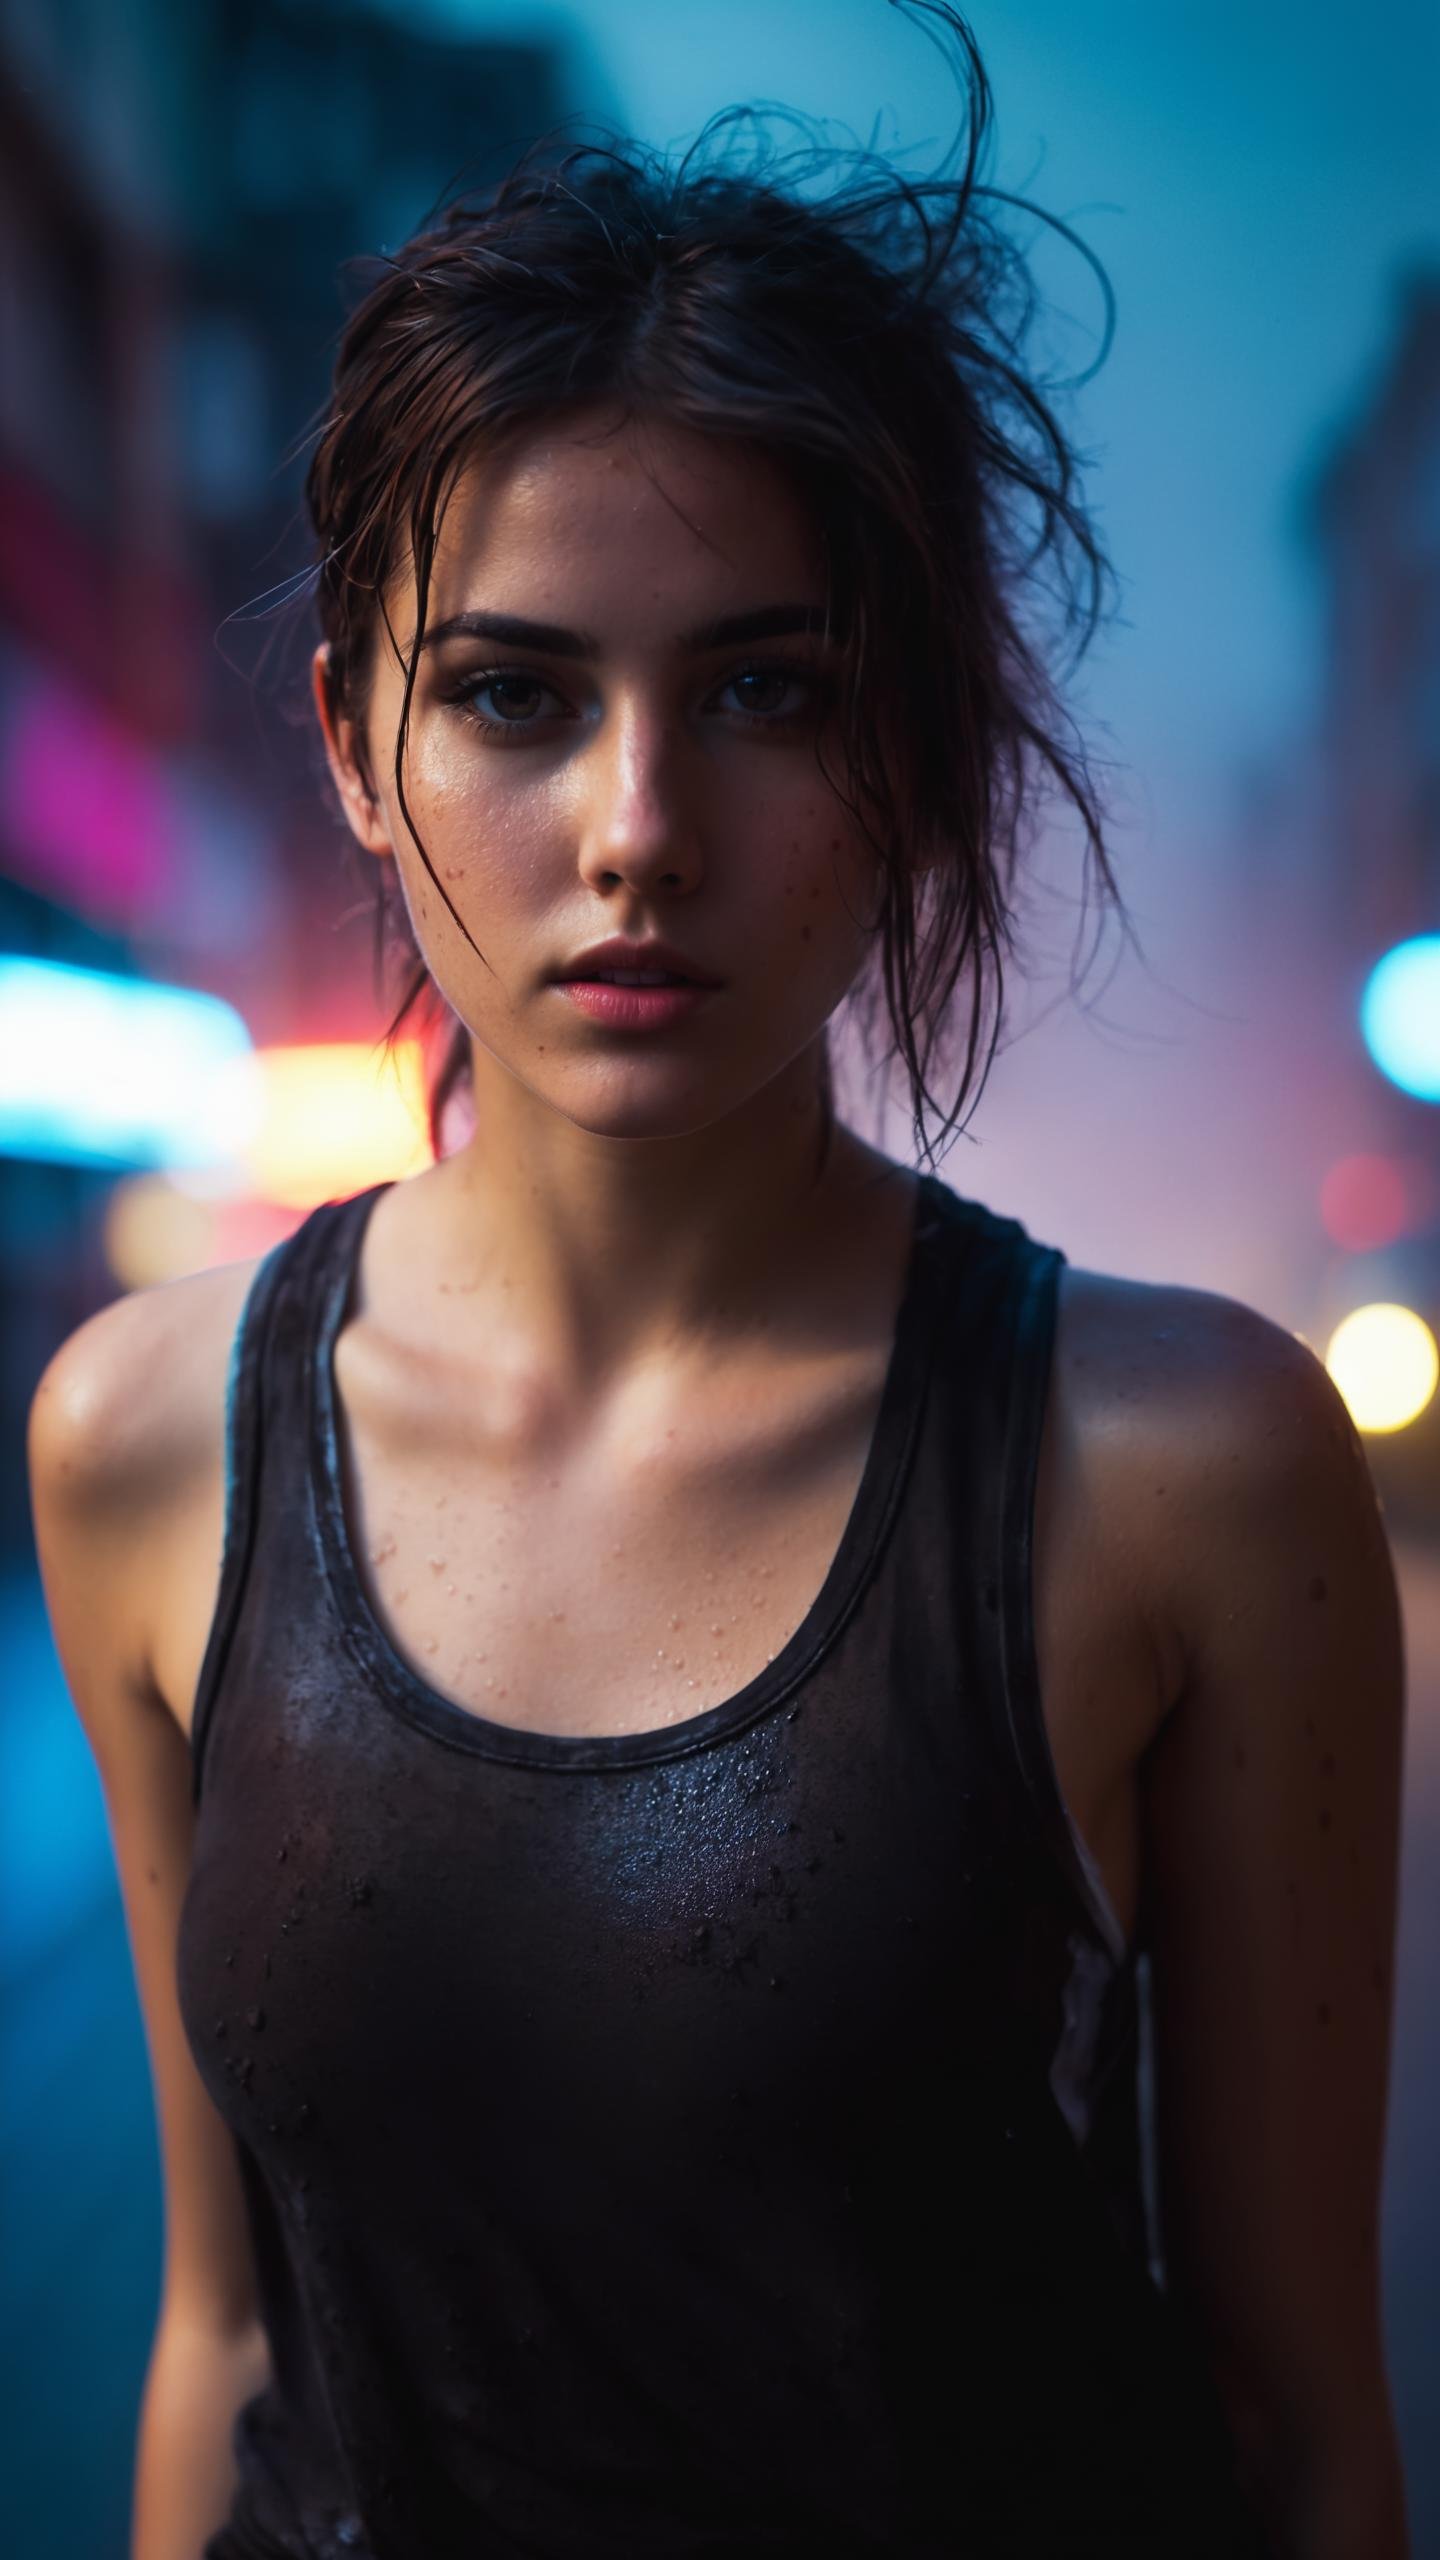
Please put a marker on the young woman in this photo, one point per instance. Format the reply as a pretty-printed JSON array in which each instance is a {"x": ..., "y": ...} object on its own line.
[{"x": 663, "y": 1685}]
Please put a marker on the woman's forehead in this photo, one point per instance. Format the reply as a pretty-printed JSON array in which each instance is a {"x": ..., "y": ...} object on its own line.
[{"x": 660, "y": 531}]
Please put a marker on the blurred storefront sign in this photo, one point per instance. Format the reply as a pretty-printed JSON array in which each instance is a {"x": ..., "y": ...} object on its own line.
[{"x": 132, "y": 839}]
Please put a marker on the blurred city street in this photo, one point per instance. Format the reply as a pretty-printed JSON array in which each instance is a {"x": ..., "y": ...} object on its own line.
[{"x": 191, "y": 1014}]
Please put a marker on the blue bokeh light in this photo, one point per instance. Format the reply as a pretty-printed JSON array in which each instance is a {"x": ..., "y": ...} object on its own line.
[
  {"x": 1400, "y": 1015},
  {"x": 98, "y": 1069}
]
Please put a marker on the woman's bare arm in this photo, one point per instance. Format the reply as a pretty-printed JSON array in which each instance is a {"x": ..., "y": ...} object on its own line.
[
  {"x": 123, "y": 1426},
  {"x": 1270, "y": 1834}
]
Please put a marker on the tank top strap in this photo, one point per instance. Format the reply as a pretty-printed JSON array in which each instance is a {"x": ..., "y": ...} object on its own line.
[
  {"x": 994, "y": 1348},
  {"x": 268, "y": 1406},
  {"x": 1034, "y": 1310}
]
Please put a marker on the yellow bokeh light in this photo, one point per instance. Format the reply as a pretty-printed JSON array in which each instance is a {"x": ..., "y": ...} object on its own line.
[
  {"x": 154, "y": 1231},
  {"x": 333, "y": 1118},
  {"x": 1385, "y": 1362}
]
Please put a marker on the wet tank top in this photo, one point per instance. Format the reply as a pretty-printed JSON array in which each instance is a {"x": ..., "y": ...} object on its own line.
[{"x": 722, "y": 2140}]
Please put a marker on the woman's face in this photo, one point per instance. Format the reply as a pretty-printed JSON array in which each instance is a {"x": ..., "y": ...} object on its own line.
[{"x": 626, "y": 771}]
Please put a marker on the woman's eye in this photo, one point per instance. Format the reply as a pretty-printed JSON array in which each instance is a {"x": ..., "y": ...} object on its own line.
[
  {"x": 503, "y": 689},
  {"x": 769, "y": 679}
]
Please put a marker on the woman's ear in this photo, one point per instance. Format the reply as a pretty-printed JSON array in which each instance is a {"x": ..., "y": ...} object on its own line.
[{"x": 345, "y": 754}]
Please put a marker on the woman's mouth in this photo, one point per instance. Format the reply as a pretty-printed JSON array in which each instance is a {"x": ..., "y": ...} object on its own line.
[{"x": 626, "y": 1001}]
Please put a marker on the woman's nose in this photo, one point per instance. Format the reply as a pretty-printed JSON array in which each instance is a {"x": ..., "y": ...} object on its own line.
[{"x": 639, "y": 823}]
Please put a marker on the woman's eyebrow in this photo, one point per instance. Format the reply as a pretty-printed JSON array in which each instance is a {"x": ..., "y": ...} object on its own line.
[{"x": 769, "y": 622}]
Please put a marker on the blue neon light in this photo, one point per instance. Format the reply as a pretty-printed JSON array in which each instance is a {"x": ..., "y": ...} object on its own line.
[{"x": 101, "y": 1070}]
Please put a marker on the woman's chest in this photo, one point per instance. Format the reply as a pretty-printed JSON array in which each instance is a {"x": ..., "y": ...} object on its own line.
[
  {"x": 651, "y": 1575},
  {"x": 659, "y": 1598}
]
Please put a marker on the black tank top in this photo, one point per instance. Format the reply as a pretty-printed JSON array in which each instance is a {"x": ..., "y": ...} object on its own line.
[{"x": 720, "y": 2140}]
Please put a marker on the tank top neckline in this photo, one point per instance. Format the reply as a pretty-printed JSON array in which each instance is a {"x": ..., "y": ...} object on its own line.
[{"x": 877, "y": 1499}]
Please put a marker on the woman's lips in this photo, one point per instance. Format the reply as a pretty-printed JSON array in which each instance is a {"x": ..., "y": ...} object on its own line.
[{"x": 631, "y": 1008}]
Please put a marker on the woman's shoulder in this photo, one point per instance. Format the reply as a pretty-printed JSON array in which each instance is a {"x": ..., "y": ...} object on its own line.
[
  {"x": 1208, "y": 1439},
  {"x": 126, "y": 1451},
  {"x": 1166, "y": 1358},
  {"x": 130, "y": 1408}
]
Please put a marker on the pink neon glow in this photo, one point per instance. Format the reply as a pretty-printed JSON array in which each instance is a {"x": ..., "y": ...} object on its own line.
[
  {"x": 85, "y": 807},
  {"x": 1364, "y": 1202}
]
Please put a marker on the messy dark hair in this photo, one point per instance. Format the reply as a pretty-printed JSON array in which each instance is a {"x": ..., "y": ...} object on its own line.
[{"x": 869, "y": 340}]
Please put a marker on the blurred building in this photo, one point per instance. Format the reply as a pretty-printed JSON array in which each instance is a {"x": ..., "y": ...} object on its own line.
[
  {"x": 1375, "y": 807},
  {"x": 179, "y": 188},
  {"x": 1335, "y": 861},
  {"x": 1377, "y": 519}
]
